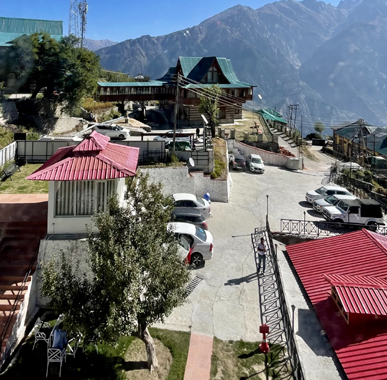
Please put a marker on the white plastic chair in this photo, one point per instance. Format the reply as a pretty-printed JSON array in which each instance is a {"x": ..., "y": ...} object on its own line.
[
  {"x": 56, "y": 355},
  {"x": 40, "y": 335}
]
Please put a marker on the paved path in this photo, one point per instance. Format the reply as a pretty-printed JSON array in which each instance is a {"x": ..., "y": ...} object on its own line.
[{"x": 199, "y": 358}]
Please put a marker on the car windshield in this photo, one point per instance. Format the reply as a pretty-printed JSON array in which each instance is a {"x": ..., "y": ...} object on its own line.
[
  {"x": 343, "y": 206},
  {"x": 200, "y": 201},
  {"x": 239, "y": 159},
  {"x": 201, "y": 234},
  {"x": 331, "y": 199},
  {"x": 321, "y": 190},
  {"x": 256, "y": 160}
]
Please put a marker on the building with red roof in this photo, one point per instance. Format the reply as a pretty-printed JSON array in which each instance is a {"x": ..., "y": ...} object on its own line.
[
  {"x": 82, "y": 178},
  {"x": 345, "y": 278}
]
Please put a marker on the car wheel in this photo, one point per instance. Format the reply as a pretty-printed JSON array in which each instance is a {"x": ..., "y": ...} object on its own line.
[
  {"x": 372, "y": 226},
  {"x": 121, "y": 137},
  {"x": 197, "y": 260},
  {"x": 251, "y": 168}
]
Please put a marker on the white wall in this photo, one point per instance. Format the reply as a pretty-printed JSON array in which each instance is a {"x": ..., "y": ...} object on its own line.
[
  {"x": 270, "y": 158},
  {"x": 73, "y": 224},
  {"x": 179, "y": 180},
  {"x": 7, "y": 153}
]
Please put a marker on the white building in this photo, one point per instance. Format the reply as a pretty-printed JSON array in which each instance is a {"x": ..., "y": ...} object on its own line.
[{"x": 82, "y": 178}]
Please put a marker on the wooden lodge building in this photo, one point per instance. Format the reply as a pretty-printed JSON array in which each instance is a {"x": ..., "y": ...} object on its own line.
[{"x": 195, "y": 74}]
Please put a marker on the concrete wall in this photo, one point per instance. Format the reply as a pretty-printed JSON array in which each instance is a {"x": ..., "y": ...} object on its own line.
[
  {"x": 179, "y": 180},
  {"x": 270, "y": 158},
  {"x": 49, "y": 250}
]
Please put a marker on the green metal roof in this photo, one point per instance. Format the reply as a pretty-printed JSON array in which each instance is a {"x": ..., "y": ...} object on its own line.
[
  {"x": 221, "y": 85},
  {"x": 152, "y": 83},
  {"x": 188, "y": 63},
  {"x": 269, "y": 114},
  {"x": 196, "y": 68},
  {"x": 12, "y": 28}
]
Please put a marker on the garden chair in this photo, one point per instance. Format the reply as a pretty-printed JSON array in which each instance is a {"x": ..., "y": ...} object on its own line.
[
  {"x": 56, "y": 355},
  {"x": 41, "y": 335},
  {"x": 73, "y": 344}
]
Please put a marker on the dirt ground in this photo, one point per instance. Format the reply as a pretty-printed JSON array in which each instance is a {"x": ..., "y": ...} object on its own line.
[{"x": 136, "y": 362}]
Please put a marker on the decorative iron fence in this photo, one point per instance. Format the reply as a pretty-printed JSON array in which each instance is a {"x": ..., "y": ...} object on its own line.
[
  {"x": 320, "y": 228},
  {"x": 274, "y": 311}
]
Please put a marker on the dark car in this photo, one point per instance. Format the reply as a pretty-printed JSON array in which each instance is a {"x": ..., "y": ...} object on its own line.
[
  {"x": 238, "y": 162},
  {"x": 189, "y": 216}
]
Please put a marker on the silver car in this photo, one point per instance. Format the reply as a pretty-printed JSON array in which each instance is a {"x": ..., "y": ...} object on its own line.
[
  {"x": 113, "y": 131},
  {"x": 190, "y": 201},
  {"x": 332, "y": 200}
]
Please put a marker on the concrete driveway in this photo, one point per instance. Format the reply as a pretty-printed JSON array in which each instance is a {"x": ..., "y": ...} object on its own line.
[{"x": 224, "y": 300}]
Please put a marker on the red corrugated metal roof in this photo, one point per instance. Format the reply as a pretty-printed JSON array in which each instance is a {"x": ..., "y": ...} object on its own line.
[
  {"x": 361, "y": 295},
  {"x": 361, "y": 349},
  {"x": 94, "y": 158}
]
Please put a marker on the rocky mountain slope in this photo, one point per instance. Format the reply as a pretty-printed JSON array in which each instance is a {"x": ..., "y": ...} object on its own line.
[
  {"x": 328, "y": 59},
  {"x": 94, "y": 45}
]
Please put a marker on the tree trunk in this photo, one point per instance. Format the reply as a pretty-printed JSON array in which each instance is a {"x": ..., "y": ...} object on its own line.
[
  {"x": 213, "y": 133},
  {"x": 144, "y": 335}
]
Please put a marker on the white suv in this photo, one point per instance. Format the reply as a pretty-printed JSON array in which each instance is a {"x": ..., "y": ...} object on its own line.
[
  {"x": 324, "y": 191},
  {"x": 112, "y": 130}
]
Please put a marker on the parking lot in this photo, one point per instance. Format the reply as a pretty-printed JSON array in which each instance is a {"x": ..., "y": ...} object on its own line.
[{"x": 224, "y": 299}]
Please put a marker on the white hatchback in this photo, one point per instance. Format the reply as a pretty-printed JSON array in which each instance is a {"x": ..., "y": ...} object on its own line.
[
  {"x": 190, "y": 201},
  {"x": 201, "y": 241}
]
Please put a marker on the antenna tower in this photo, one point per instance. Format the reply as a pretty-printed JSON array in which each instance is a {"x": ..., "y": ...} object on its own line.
[{"x": 78, "y": 20}]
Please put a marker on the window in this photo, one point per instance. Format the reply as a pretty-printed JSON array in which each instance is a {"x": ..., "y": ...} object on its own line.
[
  {"x": 82, "y": 197},
  {"x": 127, "y": 90},
  {"x": 102, "y": 91},
  {"x": 212, "y": 75}
]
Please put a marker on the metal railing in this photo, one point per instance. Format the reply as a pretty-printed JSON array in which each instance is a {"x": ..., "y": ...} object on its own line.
[
  {"x": 321, "y": 228},
  {"x": 18, "y": 301},
  {"x": 274, "y": 311}
]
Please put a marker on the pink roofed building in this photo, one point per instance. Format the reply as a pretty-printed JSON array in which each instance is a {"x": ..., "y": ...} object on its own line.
[
  {"x": 82, "y": 178},
  {"x": 345, "y": 278}
]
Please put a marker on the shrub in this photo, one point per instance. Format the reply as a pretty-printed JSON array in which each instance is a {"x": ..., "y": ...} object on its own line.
[
  {"x": 90, "y": 105},
  {"x": 219, "y": 167}
]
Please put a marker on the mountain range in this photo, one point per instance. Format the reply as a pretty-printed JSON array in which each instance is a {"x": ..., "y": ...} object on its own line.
[{"x": 329, "y": 60}]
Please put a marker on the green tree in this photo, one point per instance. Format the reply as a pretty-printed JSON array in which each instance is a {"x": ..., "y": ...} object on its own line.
[
  {"x": 209, "y": 105},
  {"x": 65, "y": 72},
  {"x": 319, "y": 127},
  {"x": 135, "y": 278}
]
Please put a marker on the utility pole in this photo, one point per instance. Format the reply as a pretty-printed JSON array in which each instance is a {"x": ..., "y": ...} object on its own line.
[
  {"x": 175, "y": 112},
  {"x": 300, "y": 145},
  {"x": 295, "y": 114}
]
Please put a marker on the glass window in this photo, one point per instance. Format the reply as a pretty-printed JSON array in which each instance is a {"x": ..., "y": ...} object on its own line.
[
  {"x": 201, "y": 234},
  {"x": 212, "y": 75},
  {"x": 64, "y": 198},
  {"x": 200, "y": 201},
  {"x": 320, "y": 190}
]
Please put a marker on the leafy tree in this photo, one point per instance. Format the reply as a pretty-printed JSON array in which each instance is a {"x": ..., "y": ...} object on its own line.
[
  {"x": 209, "y": 105},
  {"x": 135, "y": 277},
  {"x": 319, "y": 127},
  {"x": 66, "y": 72}
]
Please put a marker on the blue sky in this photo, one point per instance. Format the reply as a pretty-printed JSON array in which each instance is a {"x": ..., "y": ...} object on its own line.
[{"x": 120, "y": 20}]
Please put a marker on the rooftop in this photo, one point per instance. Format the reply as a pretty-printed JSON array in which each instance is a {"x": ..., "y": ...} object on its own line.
[
  {"x": 95, "y": 158},
  {"x": 361, "y": 256}
]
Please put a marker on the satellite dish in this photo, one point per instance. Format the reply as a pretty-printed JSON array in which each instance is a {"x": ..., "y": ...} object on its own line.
[{"x": 191, "y": 162}]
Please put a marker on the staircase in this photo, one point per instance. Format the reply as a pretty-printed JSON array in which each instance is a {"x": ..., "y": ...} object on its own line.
[{"x": 19, "y": 241}]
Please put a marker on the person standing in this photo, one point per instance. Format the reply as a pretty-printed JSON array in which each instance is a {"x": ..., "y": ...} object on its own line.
[
  {"x": 261, "y": 255},
  {"x": 197, "y": 132}
]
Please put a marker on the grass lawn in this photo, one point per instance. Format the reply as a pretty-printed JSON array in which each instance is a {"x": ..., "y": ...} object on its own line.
[
  {"x": 19, "y": 184},
  {"x": 241, "y": 360},
  {"x": 110, "y": 362}
]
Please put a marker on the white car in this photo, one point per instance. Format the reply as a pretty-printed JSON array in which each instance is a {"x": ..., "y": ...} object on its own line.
[
  {"x": 201, "y": 242},
  {"x": 324, "y": 191},
  {"x": 168, "y": 136},
  {"x": 255, "y": 163},
  {"x": 112, "y": 130},
  {"x": 332, "y": 200},
  {"x": 190, "y": 201}
]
